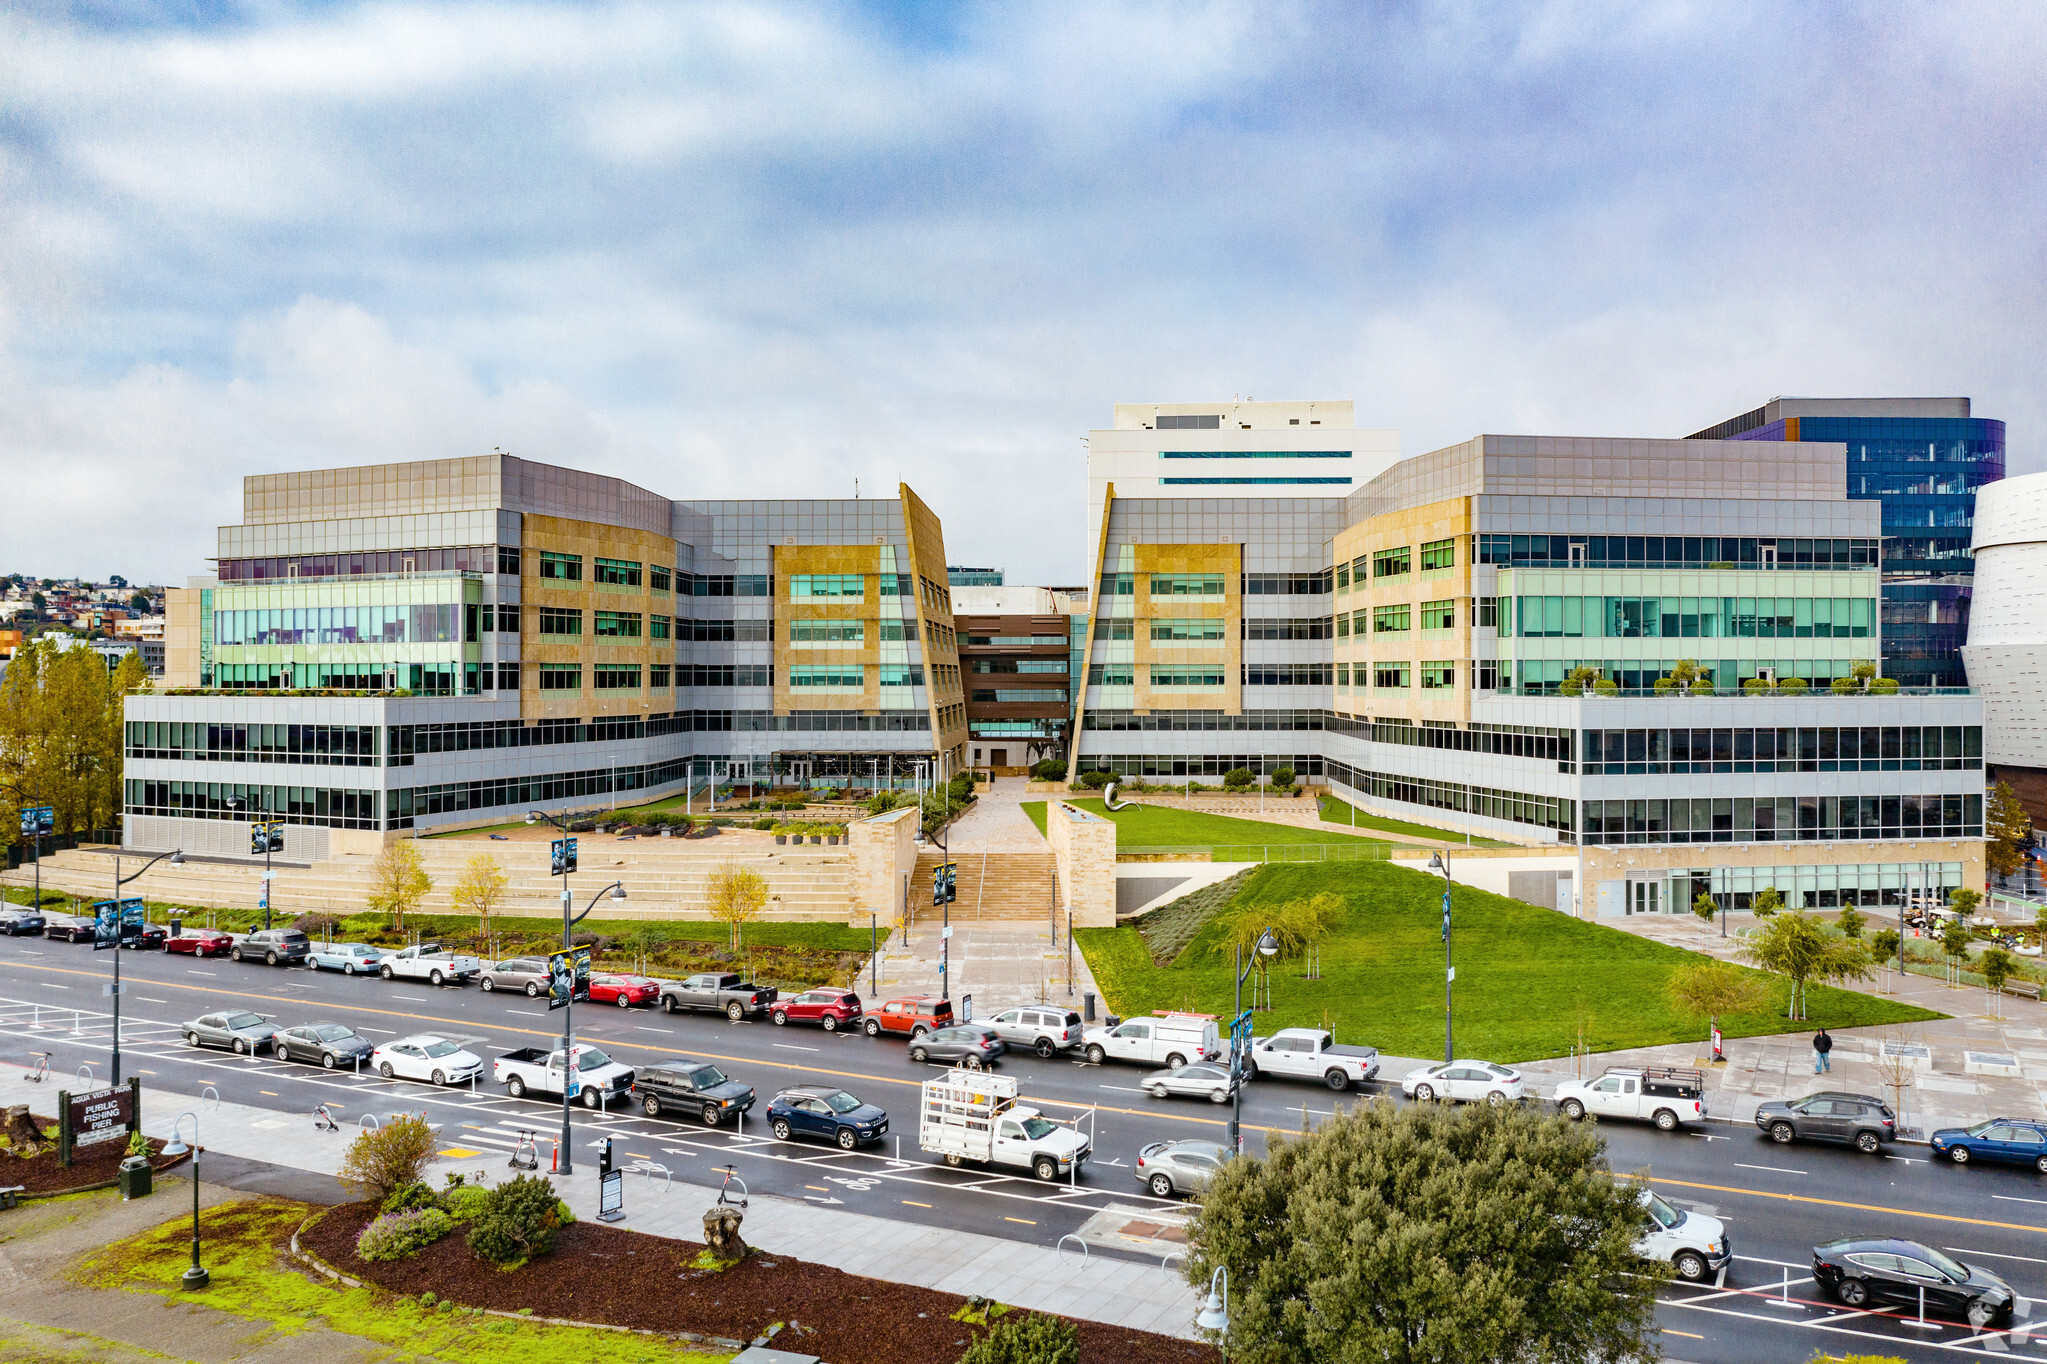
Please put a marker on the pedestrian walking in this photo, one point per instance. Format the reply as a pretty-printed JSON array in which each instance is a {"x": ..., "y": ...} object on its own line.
[{"x": 1821, "y": 1046}]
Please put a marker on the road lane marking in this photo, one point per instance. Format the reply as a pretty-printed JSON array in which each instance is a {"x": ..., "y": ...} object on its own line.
[
  {"x": 147, "y": 1000},
  {"x": 2005, "y": 1198},
  {"x": 908, "y": 1204},
  {"x": 1964, "y": 1250},
  {"x": 1840, "y": 1203},
  {"x": 787, "y": 1047},
  {"x": 1025, "y": 1220},
  {"x": 271, "y": 1092},
  {"x": 1122, "y": 1089},
  {"x": 1688, "y": 1335},
  {"x": 1777, "y": 1169},
  {"x": 211, "y": 975},
  {"x": 54, "y": 986}
]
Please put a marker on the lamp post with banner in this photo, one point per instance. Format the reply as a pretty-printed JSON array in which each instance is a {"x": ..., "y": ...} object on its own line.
[
  {"x": 37, "y": 820},
  {"x": 1240, "y": 1033},
  {"x": 567, "y": 976},
  {"x": 111, "y": 922},
  {"x": 1438, "y": 862}
]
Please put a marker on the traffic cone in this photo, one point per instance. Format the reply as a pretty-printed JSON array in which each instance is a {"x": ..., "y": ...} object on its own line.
[{"x": 554, "y": 1151}]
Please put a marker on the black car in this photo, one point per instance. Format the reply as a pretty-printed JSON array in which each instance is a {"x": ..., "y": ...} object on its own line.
[
  {"x": 1886, "y": 1273},
  {"x": 694, "y": 1088},
  {"x": 148, "y": 938},
  {"x": 67, "y": 928},
  {"x": 15, "y": 921},
  {"x": 1861, "y": 1120},
  {"x": 274, "y": 946},
  {"x": 825, "y": 1111},
  {"x": 322, "y": 1044}
]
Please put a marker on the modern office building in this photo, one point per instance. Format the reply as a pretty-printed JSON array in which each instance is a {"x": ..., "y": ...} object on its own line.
[
  {"x": 2007, "y": 649},
  {"x": 1020, "y": 648},
  {"x": 973, "y": 577},
  {"x": 1922, "y": 459},
  {"x": 454, "y": 642},
  {"x": 1449, "y": 603}
]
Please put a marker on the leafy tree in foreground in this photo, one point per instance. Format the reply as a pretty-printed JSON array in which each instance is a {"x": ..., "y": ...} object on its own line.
[{"x": 1430, "y": 1235}]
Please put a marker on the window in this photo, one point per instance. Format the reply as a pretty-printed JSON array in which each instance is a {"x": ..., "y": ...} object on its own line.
[
  {"x": 1187, "y": 584},
  {"x": 1116, "y": 629},
  {"x": 1343, "y": 577},
  {"x": 828, "y": 677},
  {"x": 1391, "y": 619},
  {"x": 1111, "y": 675},
  {"x": 902, "y": 675},
  {"x": 1343, "y": 674},
  {"x": 657, "y": 577},
  {"x": 618, "y": 625},
  {"x": 554, "y": 621},
  {"x": 1300, "y": 627},
  {"x": 1436, "y": 675},
  {"x": 567, "y": 568},
  {"x": 1391, "y": 563},
  {"x": 561, "y": 677},
  {"x": 1119, "y": 585},
  {"x": 1287, "y": 675},
  {"x": 1485, "y": 613},
  {"x": 1186, "y": 631},
  {"x": 832, "y": 586},
  {"x": 617, "y": 676},
  {"x": 1017, "y": 665},
  {"x": 1439, "y": 554},
  {"x": 1017, "y": 641},
  {"x": 1021, "y": 696},
  {"x": 1287, "y": 584},
  {"x": 1183, "y": 675},
  {"x": 657, "y": 676},
  {"x": 1439, "y": 615},
  {"x": 618, "y": 572},
  {"x": 1202, "y": 423},
  {"x": 657, "y": 627},
  {"x": 898, "y": 629},
  {"x": 831, "y": 631},
  {"x": 1390, "y": 675},
  {"x": 508, "y": 560},
  {"x": 1264, "y": 479},
  {"x": 1343, "y": 625}
]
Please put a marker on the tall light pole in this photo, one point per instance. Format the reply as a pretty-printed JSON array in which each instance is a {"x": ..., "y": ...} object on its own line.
[
  {"x": 196, "y": 1277},
  {"x": 36, "y": 820},
  {"x": 1266, "y": 946},
  {"x": 177, "y": 857},
  {"x": 1438, "y": 862},
  {"x": 617, "y": 892},
  {"x": 1215, "y": 1309}
]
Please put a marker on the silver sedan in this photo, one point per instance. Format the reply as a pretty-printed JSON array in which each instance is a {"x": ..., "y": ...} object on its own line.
[
  {"x": 1198, "y": 1081},
  {"x": 1168, "y": 1168},
  {"x": 238, "y": 1030}
]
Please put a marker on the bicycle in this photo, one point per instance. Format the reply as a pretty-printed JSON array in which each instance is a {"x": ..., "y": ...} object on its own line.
[
  {"x": 323, "y": 1119},
  {"x": 41, "y": 1072}
]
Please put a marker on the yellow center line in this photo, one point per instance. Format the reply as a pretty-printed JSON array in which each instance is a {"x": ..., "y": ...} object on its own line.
[
  {"x": 819, "y": 1187},
  {"x": 1855, "y": 1207},
  {"x": 908, "y": 1204},
  {"x": 1025, "y": 1220},
  {"x": 1688, "y": 1335}
]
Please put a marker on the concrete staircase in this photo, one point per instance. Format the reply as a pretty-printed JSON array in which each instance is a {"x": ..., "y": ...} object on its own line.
[{"x": 990, "y": 885}]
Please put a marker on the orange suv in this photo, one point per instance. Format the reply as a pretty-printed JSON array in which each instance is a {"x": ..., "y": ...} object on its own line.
[{"x": 913, "y": 1017}]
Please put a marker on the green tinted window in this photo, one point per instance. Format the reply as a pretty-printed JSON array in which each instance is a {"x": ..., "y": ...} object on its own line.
[
  {"x": 1187, "y": 584},
  {"x": 1439, "y": 554},
  {"x": 561, "y": 567}
]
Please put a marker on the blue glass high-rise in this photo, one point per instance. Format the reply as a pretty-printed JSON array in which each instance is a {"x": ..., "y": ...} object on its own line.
[{"x": 1924, "y": 459}]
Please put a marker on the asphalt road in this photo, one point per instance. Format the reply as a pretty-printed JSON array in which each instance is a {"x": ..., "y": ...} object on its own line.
[{"x": 1778, "y": 1201}]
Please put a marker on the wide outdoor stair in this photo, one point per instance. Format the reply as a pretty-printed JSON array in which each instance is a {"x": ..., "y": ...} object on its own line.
[{"x": 990, "y": 885}]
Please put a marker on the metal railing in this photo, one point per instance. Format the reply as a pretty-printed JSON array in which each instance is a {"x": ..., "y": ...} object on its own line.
[
  {"x": 1814, "y": 691},
  {"x": 1347, "y": 851}
]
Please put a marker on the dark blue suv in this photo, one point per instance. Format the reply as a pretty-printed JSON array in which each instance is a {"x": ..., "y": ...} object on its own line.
[
  {"x": 821, "y": 1111},
  {"x": 2011, "y": 1141}
]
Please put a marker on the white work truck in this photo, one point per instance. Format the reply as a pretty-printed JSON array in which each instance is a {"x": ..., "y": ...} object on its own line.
[
  {"x": 430, "y": 962},
  {"x": 1312, "y": 1054},
  {"x": 1164, "y": 1039},
  {"x": 1692, "y": 1243},
  {"x": 1667, "y": 1096},
  {"x": 596, "y": 1081},
  {"x": 973, "y": 1115}
]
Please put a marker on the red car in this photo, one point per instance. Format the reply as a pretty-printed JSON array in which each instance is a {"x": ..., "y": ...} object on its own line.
[
  {"x": 624, "y": 991},
  {"x": 200, "y": 942},
  {"x": 829, "y": 1009},
  {"x": 912, "y": 1017}
]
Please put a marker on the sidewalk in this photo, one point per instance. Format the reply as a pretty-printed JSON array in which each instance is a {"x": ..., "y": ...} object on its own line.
[
  {"x": 995, "y": 822},
  {"x": 1000, "y": 963}
]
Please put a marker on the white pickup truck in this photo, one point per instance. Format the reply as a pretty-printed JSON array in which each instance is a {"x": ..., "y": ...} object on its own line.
[
  {"x": 973, "y": 1115},
  {"x": 1312, "y": 1054},
  {"x": 429, "y": 962},
  {"x": 597, "y": 1080},
  {"x": 1692, "y": 1243},
  {"x": 1165, "y": 1039},
  {"x": 1669, "y": 1097}
]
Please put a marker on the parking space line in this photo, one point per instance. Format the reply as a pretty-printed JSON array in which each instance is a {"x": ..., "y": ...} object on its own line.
[{"x": 1774, "y": 1169}]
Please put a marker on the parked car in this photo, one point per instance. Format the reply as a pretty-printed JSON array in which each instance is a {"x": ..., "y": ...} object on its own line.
[
  {"x": 1664, "y": 1095},
  {"x": 67, "y": 927},
  {"x": 323, "y": 1044},
  {"x": 624, "y": 991},
  {"x": 679, "y": 1085},
  {"x": 273, "y": 947},
  {"x": 199, "y": 942},
  {"x": 830, "y": 1009},
  {"x": 970, "y": 1043},
  {"x": 1312, "y": 1054},
  {"x": 1891, "y": 1273},
  {"x": 913, "y": 1017},
  {"x": 1163, "y": 1039},
  {"x": 2005, "y": 1141},
  {"x": 977, "y": 1118},
  {"x": 1862, "y": 1120},
  {"x": 1465, "y": 1081},
  {"x": 1693, "y": 1244},
  {"x": 15, "y": 922},
  {"x": 1046, "y": 1029},
  {"x": 430, "y": 962},
  {"x": 1204, "y": 1080},
  {"x": 599, "y": 1079},
  {"x": 238, "y": 1030},
  {"x": 426, "y": 1057},
  {"x": 518, "y": 973},
  {"x": 147, "y": 938},
  {"x": 349, "y": 958},
  {"x": 823, "y": 1111},
  {"x": 725, "y": 992},
  {"x": 1168, "y": 1168}
]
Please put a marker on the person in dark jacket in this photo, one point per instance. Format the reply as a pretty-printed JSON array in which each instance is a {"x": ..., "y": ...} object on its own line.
[{"x": 1821, "y": 1045}]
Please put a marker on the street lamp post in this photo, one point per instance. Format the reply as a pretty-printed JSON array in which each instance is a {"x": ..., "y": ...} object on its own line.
[
  {"x": 1438, "y": 862},
  {"x": 1266, "y": 946},
  {"x": 33, "y": 827},
  {"x": 196, "y": 1277},
  {"x": 1215, "y": 1309},
  {"x": 177, "y": 857},
  {"x": 617, "y": 892}
]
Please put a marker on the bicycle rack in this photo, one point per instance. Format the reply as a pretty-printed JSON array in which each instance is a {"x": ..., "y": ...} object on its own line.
[
  {"x": 85, "y": 1073},
  {"x": 216, "y": 1096},
  {"x": 368, "y": 1122},
  {"x": 1060, "y": 1247},
  {"x": 667, "y": 1180},
  {"x": 1167, "y": 1259}
]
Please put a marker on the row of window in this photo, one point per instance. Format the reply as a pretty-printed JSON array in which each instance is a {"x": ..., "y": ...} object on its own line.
[
  {"x": 1211, "y": 676},
  {"x": 1435, "y": 674},
  {"x": 1214, "y": 584},
  {"x": 335, "y": 809},
  {"x": 1546, "y": 675},
  {"x": 1507, "y": 741},
  {"x": 1016, "y": 641},
  {"x": 315, "y": 745},
  {"x": 372, "y": 563},
  {"x": 1048, "y": 666},
  {"x": 1396, "y": 562},
  {"x": 1175, "y": 721},
  {"x": 1196, "y": 630},
  {"x": 1879, "y": 748},
  {"x": 568, "y": 677},
  {"x": 1548, "y": 812},
  {"x": 1031, "y": 696},
  {"x": 1693, "y": 617},
  {"x": 568, "y": 568},
  {"x": 1674, "y": 551},
  {"x": 433, "y": 623},
  {"x": 1767, "y": 819}
]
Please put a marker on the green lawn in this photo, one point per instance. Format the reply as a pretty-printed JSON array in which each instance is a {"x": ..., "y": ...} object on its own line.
[
  {"x": 1152, "y": 826},
  {"x": 1344, "y": 814},
  {"x": 1526, "y": 977}
]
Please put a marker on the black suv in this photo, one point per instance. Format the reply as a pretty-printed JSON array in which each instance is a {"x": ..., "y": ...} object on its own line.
[
  {"x": 1862, "y": 1120},
  {"x": 274, "y": 946},
  {"x": 697, "y": 1089}
]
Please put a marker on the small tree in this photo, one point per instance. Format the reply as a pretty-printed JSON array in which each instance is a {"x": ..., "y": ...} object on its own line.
[
  {"x": 1851, "y": 921},
  {"x": 1578, "y": 680},
  {"x": 1885, "y": 945},
  {"x": 398, "y": 881},
  {"x": 1798, "y": 949},
  {"x": 480, "y": 890},
  {"x": 1704, "y": 907},
  {"x": 1954, "y": 940},
  {"x": 1766, "y": 902},
  {"x": 1282, "y": 779},
  {"x": 2010, "y": 829},
  {"x": 1036, "y": 1339},
  {"x": 1997, "y": 966},
  {"x": 1964, "y": 902},
  {"x": 735, "y": 896},
  {"x": 387, "y": 1158},
  {"x": 1711, "y": 989}
]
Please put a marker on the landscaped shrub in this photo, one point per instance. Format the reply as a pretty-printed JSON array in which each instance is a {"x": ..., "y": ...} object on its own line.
[
  {"x": 1282, "y": 777},
  {"x": 1036, "y": 1339},
  {"x": 396, "y": 1235},
  {"x": 387, "y": 1158},
  {"x": 521, "y": 1220},
  {"x": 468, "y": 1202},
  {"x": 881, "y": 802},
  {"x": 1094, "y": 779},
  {"x": 317, "y": 925},
  {"x": 1239, "y": 779},
  {"x": 1049, "y": 769},
  {"x": 1792, "y": 684},
  {"x": 411, "y": 1198},
  {"x": 1884, "y": 686}
]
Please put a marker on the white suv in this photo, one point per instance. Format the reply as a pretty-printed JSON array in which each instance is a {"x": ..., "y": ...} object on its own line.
[{"x": 1043, "y": 1028}]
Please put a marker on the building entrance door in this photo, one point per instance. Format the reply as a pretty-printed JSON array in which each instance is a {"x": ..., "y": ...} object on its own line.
[
  {"x": 1645, "y": 897},
  {"x": 998, "y": 757}
]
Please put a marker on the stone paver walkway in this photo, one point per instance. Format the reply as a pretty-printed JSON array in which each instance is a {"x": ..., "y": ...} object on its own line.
[
  {"x": 1000, "y": 963},
  {"x": 995, "y": 822}
]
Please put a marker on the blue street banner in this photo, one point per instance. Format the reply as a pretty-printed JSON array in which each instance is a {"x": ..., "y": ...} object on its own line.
[
  {"x": 37, "y": 820},
  {"x": 561, "y": 859},
  {"x": 568, "y": 977},
  {"x": 114, "y": 922}
]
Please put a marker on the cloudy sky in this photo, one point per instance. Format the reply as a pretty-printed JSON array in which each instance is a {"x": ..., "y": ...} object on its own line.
[{"x": 759, "y": 250}]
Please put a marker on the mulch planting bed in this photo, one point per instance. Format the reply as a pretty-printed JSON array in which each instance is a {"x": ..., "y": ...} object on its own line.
[
  {"x": 90, "y": 1165},
  {"x": 623, "y": 1278}
]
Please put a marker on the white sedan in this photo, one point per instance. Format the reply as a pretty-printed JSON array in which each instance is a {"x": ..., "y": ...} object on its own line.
[
  {"x": 426, "y": 1057},
  {"x": 1468, "y": 1081}
]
